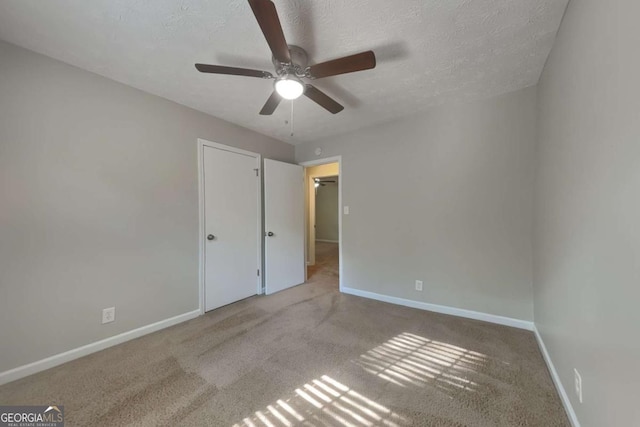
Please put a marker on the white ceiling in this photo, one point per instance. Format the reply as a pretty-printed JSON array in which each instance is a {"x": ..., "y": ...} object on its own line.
[{"x": 429, "y": 52}]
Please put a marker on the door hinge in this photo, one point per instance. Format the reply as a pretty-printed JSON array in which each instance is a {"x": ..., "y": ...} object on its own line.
[
  {"x": 257, "y": 170},
  {"x": 258, "y": 272}
]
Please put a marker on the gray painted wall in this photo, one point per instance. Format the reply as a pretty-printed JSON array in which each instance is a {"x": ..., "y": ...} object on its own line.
[
  {"x": 98, "y": 204},
  {"x": 327, "y": 211},
  {"x": 457, "y": 208},
  {"x": 587, "y": 233}
]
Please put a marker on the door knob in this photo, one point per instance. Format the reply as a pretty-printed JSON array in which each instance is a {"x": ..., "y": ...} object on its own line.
[
  {"x": 211, "y": 237},
  {"x": 270, "y": 234}
]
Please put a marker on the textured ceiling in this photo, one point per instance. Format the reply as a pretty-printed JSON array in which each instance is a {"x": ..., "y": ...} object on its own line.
[{"x": 429, "y": 52}]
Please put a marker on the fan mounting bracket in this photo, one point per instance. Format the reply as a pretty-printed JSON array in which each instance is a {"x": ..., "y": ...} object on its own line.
[{"x": 298, "y": 65}]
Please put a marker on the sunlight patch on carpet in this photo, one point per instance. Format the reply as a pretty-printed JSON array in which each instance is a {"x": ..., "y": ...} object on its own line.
[
  {"x": 411, "y": 360},
  {"x": 325, "y": 402}
]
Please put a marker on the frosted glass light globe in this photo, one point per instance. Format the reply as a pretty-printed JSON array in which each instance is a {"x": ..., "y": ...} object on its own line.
[{"x": 289, "y": 87}]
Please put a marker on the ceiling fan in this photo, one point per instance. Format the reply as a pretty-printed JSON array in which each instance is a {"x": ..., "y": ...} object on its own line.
[
  {"x": 290, "y": 64},
  {"x": 322, "y": 182}
]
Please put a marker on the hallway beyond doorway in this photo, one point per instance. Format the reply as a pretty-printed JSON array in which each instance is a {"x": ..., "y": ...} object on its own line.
[{"x": 326, "y": 267}]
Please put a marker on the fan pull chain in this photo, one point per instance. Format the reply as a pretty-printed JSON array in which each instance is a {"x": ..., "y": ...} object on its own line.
[{"x": 291, "y": 121}]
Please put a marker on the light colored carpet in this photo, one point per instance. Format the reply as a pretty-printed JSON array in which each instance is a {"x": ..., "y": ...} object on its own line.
[{"x": 307, "y": 356}]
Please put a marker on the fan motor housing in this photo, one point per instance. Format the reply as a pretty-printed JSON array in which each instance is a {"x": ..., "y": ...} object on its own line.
[{"x": 299, "y": 61}]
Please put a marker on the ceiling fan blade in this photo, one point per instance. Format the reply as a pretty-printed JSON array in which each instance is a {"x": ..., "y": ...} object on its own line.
[
  {"x": 267, "y": 17},
  {"x": 221, "y": 69},
  {"x": 271, "y": 104},
  {"x": 348, "y": 64},
  {"x": 322, "y": 99}
]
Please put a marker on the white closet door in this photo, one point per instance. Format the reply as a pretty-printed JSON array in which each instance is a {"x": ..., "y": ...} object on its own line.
[
  {"x": 232, "y": 215},
  {"x": 284, "y": 225}
]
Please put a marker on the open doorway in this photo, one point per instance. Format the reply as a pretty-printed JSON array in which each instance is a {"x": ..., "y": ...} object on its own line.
[{"x": 323, "y": 223}]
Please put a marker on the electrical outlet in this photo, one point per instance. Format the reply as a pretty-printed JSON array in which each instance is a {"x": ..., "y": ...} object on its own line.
[
  {"x": 577, "y": 382},
  {"x": 108, "y": 315},
  {"x": 418, "y": 285}
]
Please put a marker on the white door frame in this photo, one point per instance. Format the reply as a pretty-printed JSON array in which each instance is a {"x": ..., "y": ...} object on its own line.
[
  {"x": 201, "y": 214},
  {"x": 326, "y": 160}
]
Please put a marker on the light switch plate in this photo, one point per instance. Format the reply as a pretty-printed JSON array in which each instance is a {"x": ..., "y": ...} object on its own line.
[{"x": 346, "y": 210}]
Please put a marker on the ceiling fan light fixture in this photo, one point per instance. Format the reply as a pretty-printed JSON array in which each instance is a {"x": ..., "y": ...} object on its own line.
[
  {"x": 290, "y": 63},
  {"x": 289, "y": 87}
]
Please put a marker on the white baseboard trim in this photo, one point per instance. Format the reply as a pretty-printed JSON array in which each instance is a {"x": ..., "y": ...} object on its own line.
[
  {"x": 556, "y": 380},
  {"x": 501, "y": 320},
  {"x": 76, "y": 353},
  {"x": 327, "y": 241}
]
